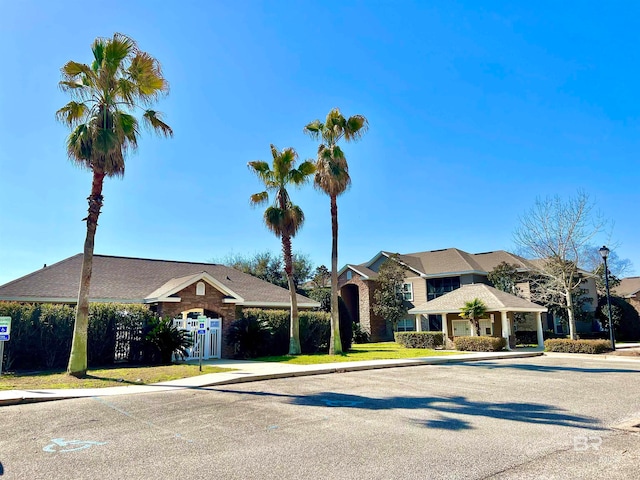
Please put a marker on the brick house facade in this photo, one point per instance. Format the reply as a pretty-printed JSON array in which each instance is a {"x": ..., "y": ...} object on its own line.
[{"x": 168, "y": 288}]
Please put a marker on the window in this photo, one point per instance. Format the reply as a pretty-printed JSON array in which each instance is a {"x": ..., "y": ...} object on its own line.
[
  {"x": 349, "y": 274},
  {"x": 406, "y": 291},
  {"x": 200, "y": 288},
  {"x": 486, "y": 328},
  {"x": 406, "y": 325},
  {"x": 436, "y": 287}
]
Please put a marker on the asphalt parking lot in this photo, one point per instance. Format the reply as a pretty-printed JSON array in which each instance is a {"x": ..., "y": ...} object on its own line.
[{"x": 540, "y": 417}]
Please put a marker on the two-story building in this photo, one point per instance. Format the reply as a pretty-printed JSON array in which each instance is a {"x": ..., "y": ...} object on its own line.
[{"x": 437, "y": 284}]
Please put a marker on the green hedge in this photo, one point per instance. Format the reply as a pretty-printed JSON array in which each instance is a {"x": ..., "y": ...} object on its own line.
[
  {"x": 480, "y": 344},
  {"x": 576, "y": 346},
  {"x": 41, "y": 333},
  {"x": 266, "y": 332},
  {"x": 420, "y": 339}
]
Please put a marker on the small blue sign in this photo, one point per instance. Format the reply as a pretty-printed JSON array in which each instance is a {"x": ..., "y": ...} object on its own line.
[
  {"x": 3, "y": 329},
  {"x": 201, "y": 332},
  {"x": 215, "y": 324},
  {"x": 4, "y": 338}
]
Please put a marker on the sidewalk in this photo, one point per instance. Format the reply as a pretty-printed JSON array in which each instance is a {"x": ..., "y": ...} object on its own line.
[{"x": 250, "y": 371}]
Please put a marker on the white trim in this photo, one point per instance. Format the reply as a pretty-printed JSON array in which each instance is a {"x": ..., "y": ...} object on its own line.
[
  {"x": 276, "y": 304},
  {"x": 163, "y": 300},
  {"x": 454, "y": 274},
  {"x": 437, "y": 310}
]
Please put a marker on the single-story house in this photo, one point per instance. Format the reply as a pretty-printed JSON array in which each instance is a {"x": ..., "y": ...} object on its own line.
[
  {"x": 178, "y": 289},
  {"x": 436, "y": 273}
]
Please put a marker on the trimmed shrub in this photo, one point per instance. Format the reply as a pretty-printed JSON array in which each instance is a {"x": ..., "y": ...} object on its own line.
[
  {"x": 420, "y": 339},
  {"x": 56, "y": 332},
  {"x": 250, "y": 336},
  {"x": 593, "y": 336},
  {"x": 359, "y": 335},
  {"x": 41, "y": 334},
  {"x": 480, "y": 344},
  {"x": 315, "y": 330},
  {"x": 566, "y": 345}
]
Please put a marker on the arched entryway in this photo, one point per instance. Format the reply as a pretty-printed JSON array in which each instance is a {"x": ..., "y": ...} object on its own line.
[{"x": 351, "y": 297}]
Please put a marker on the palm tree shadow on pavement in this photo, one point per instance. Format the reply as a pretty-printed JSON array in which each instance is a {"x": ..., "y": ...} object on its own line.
[{"x": 534, "y": 413}]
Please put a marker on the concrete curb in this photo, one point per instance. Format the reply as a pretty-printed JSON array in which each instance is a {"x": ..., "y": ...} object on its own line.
[
  {"x": 15, "y": 397},
  {"x": 347, "y": 367},
  {"x": 592, "y": 356}
]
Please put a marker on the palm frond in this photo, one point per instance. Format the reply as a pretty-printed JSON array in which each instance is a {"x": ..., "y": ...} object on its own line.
[
  {"x": 72, "y": 70},
  {"x": 356, "y": 127},
  {"x": 146, "y": 74},
  {"x": 112, "y": 164},
  {"x": 262, "y": 171},
  {"x": 154, "y": 119},
  {"x": 314, "y": 129},
  {"x": 71, "y": 113},
  {"x": 116, "y": 50},
  {"x": 98, "y": 53},
  {"x": 126, "y": 128},
  {"x": 79, "y": 145},
  {"x": 293, "y": 220},
  {"x": 308, "y": 167},
  {"x": 274, "y": 220},
  {"x": 332, "y": 171},
  {"x": 300, "y": 176},
  {"x": 127, "y": 91},
  {"x": 259, "y": 198}
]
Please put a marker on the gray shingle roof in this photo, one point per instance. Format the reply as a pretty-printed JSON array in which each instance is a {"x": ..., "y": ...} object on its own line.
[
  {"x": 134, "y": 279},
  {"x": 628, "y": 287},
  {"x": 364, "y": 270},
  {"x": 456, "y": 261},
  {"x": 494, "y": 299}
]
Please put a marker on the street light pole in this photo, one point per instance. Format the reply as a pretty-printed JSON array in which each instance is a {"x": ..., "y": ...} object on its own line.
[{"x": 604, "y": 252}]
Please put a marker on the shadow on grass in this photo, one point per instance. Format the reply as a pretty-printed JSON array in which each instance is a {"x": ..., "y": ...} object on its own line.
[{"x": 534, "y": 413}]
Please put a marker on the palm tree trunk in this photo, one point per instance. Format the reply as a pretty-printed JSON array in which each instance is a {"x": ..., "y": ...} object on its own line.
[
  {"x": 78, "y": 358},
  {"x": 294, "y": 331},
  {"x": 335, "y": 344}
]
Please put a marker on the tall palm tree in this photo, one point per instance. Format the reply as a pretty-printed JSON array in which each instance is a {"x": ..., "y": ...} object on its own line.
[
  {"x": 284, "y": 218},
  {"x": 120, "y": 79},
  {"x": 332, "y": 177},
  {"x": 474, "y": 310}
]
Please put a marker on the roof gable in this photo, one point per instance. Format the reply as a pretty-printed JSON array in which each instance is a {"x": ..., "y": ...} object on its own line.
[{"x": 494, "y": 299}]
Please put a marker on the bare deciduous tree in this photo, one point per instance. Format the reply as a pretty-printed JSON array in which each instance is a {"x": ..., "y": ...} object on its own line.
[{"x": 556, "y": 233}]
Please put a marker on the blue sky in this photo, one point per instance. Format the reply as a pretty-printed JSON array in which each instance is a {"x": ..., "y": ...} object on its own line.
[{"x": 474, "y": 111}]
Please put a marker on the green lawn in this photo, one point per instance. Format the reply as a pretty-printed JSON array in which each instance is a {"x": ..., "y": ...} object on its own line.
[
  {"x": 106, "y": 377},
  {"x": 365, "y": 351}
]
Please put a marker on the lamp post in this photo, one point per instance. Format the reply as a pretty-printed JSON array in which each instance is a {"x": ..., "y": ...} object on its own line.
[{"x": 604, "y": 253}]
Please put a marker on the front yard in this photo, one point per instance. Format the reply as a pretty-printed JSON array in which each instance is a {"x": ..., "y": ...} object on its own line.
[
  {"x": 365, "y": 351},
  {"x": 107, "y": 377}
]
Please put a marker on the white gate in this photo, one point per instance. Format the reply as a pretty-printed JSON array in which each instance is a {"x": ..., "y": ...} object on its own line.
[{"x": 212, "y": 344}]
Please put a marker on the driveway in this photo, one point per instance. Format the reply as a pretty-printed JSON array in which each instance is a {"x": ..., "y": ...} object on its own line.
[{"x": 541, "y": 417}]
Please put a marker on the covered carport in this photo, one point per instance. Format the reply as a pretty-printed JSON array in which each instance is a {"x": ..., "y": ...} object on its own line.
[{"x": 500, "y": 305}]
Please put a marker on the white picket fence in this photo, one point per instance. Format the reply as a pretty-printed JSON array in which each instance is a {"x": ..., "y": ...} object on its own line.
[{"x": 211, "y": 341}]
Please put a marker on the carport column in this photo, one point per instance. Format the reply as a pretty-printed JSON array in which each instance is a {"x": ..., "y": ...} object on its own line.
[
  {"x": 506, "y": 331},
  {"x": 539, "y": 330},
  {"x": 418, "y": 322},
  {"x": 445, "y": 328}
]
